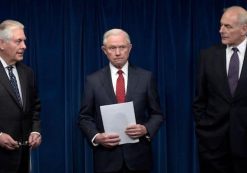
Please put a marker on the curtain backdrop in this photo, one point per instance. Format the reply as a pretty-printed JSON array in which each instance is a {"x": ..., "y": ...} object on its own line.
[{"x": 64, "y": 45}]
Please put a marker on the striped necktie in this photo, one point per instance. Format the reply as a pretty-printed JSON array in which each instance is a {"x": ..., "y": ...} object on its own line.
[
  {"x": 233, "y": 71},
  {"x": 13, "y": 83}
]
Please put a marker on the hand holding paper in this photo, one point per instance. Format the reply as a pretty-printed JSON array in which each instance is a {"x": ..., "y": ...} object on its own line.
[
  {"x": 108, "y": 140},
  {"x": 136, "y": 131}
]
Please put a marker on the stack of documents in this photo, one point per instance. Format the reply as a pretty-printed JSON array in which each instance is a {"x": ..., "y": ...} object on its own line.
[{"x": 117, "y": 117}]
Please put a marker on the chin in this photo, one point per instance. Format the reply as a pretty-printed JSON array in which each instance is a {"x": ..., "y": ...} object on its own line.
[
  {"x": 224, "y": 42},
  {"x": 19, "y": 58},
  {"x": 118, "y": 66}
]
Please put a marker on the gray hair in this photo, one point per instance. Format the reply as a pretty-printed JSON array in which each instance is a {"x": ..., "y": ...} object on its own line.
[
  {"x": 242, "y": 13},
  {"x": 6, "y": 28},
  {"x": 115, "y": 31}
]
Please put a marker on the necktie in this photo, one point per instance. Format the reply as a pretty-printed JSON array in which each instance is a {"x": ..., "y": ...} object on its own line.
[
  {"x": 233, "y": 71},
  {"x": 13, "y": 83},
  {"x": 120, "y": 89}
]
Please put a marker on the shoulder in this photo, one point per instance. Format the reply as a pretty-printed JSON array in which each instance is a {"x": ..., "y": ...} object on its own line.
[
  {"x": 24, "y": 67},
  {"x": 213, "y": 53},
  {"x": 139, "y": 74},
  {"x": 99, "y": 73},
  {"x": 139, "y": 71},
  {"x": 213, "y": 49}
]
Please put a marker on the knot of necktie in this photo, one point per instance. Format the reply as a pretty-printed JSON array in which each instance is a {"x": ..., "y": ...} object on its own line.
[
  {"x": 10, "y": 67},
  {"x": 120, "y": 72},
  {"x": 235, "y": 49}
]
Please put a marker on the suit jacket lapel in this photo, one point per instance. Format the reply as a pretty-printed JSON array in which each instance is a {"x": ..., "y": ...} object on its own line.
[
  {"x": 4, "y": 80},
  {"x": 222, "y": 71},
  {"x": 106, "y": 83},
  {"x": 132, "y": 82},
  {"x": 242, "y": 82},
  {"x": 23, "y": 82}
]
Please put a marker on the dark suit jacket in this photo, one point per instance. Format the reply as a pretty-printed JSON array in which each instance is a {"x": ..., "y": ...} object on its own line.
[
  {"x": 220, "y": 117},
  {"x": 15, "y": 120},
  {"x": 142, "y": 91}
]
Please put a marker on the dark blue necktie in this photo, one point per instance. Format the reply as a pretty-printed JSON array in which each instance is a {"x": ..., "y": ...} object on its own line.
[
  {"x": 233, "y": 71},
  {"x": 13, "y": 83}
]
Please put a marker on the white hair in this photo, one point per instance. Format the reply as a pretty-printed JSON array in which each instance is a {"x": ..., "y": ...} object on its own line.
[
  {"x": 6, "y": 28},
  {"x": 115, "y": 31}
]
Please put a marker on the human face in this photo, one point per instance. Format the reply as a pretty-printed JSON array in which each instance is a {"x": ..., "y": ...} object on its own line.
[
  {"x": 117, "y": 50},
  {"x": 12, "y": 50},
  {"x": 231, "y": 30}
]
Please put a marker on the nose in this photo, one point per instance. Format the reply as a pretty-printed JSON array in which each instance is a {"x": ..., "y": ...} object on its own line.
[
  {"x": 222, "y": 28},
  {"x": 117, "y": 51},
  {"x": 23, "y": 45}
]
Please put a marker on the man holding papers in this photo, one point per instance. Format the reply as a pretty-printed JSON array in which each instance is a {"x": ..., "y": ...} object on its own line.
[{"x": 119, "y": 83}]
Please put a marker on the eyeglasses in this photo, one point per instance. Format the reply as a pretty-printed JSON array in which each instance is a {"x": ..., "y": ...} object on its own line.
[{"x": 120, "y": 48}]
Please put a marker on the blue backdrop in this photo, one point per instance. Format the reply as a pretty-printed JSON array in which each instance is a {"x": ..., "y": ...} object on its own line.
[{"x": 64, "y": 40}]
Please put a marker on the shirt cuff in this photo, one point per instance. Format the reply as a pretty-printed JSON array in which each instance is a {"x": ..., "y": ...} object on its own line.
[
  {"x": 94, "y": 144},
  {"x": 148, "y": 137},
  {"x": 36, "y": 133}
]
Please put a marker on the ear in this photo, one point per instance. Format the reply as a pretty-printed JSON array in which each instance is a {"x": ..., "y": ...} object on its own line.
[
  {"x": 130, "y": 47},
  {"x": 103, "y": 49},
  {"x": 2, "y": 44},
  {"x": 244, "y": 29}
]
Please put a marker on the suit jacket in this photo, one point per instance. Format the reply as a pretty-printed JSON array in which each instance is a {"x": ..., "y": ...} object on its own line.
[
  {"x": 16, "y": 120},
  {"x": 220, "y": 117},
  {"x": 142, "y": 91}
]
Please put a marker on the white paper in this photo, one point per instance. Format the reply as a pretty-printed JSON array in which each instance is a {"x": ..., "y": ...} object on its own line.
[{"x": 117, "y": 117}]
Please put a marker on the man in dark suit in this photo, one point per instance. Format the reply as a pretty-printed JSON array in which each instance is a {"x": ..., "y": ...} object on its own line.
[
  {"x": 19, "y": 104},
  {"x": 101, "y": 89},
  {"x": 220, "y": 106}
]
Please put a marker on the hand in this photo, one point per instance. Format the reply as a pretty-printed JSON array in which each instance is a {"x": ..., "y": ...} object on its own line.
[
  {"x": 108, "y": 140},
  {"x": 136, "y": 131},
  {"x": 34, "y": 140},
  {"x": 7, "y": 142}
]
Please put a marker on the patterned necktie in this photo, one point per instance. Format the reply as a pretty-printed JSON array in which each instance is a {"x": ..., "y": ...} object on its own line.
[
  {"x": 13, "y": 83},
  {"x": 120, "y": 89},
  {"x": 233, "y": 71}
]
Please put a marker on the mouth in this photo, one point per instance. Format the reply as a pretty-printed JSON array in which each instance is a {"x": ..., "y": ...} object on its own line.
[
  {"x": 20, "y": 53},
  {"x": 223, "y": 37},
  {"x": 118, "y": 59}
]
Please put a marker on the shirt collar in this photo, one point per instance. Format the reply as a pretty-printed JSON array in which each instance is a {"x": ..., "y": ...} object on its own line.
[
  {"x": 241, "y": 47},
  {"x": 114, "y": 70},
  {"x": 4, "y": 63}
]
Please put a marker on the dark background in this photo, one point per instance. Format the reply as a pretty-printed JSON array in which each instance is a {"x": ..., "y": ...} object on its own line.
[{"x": 64, "y": 40}]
